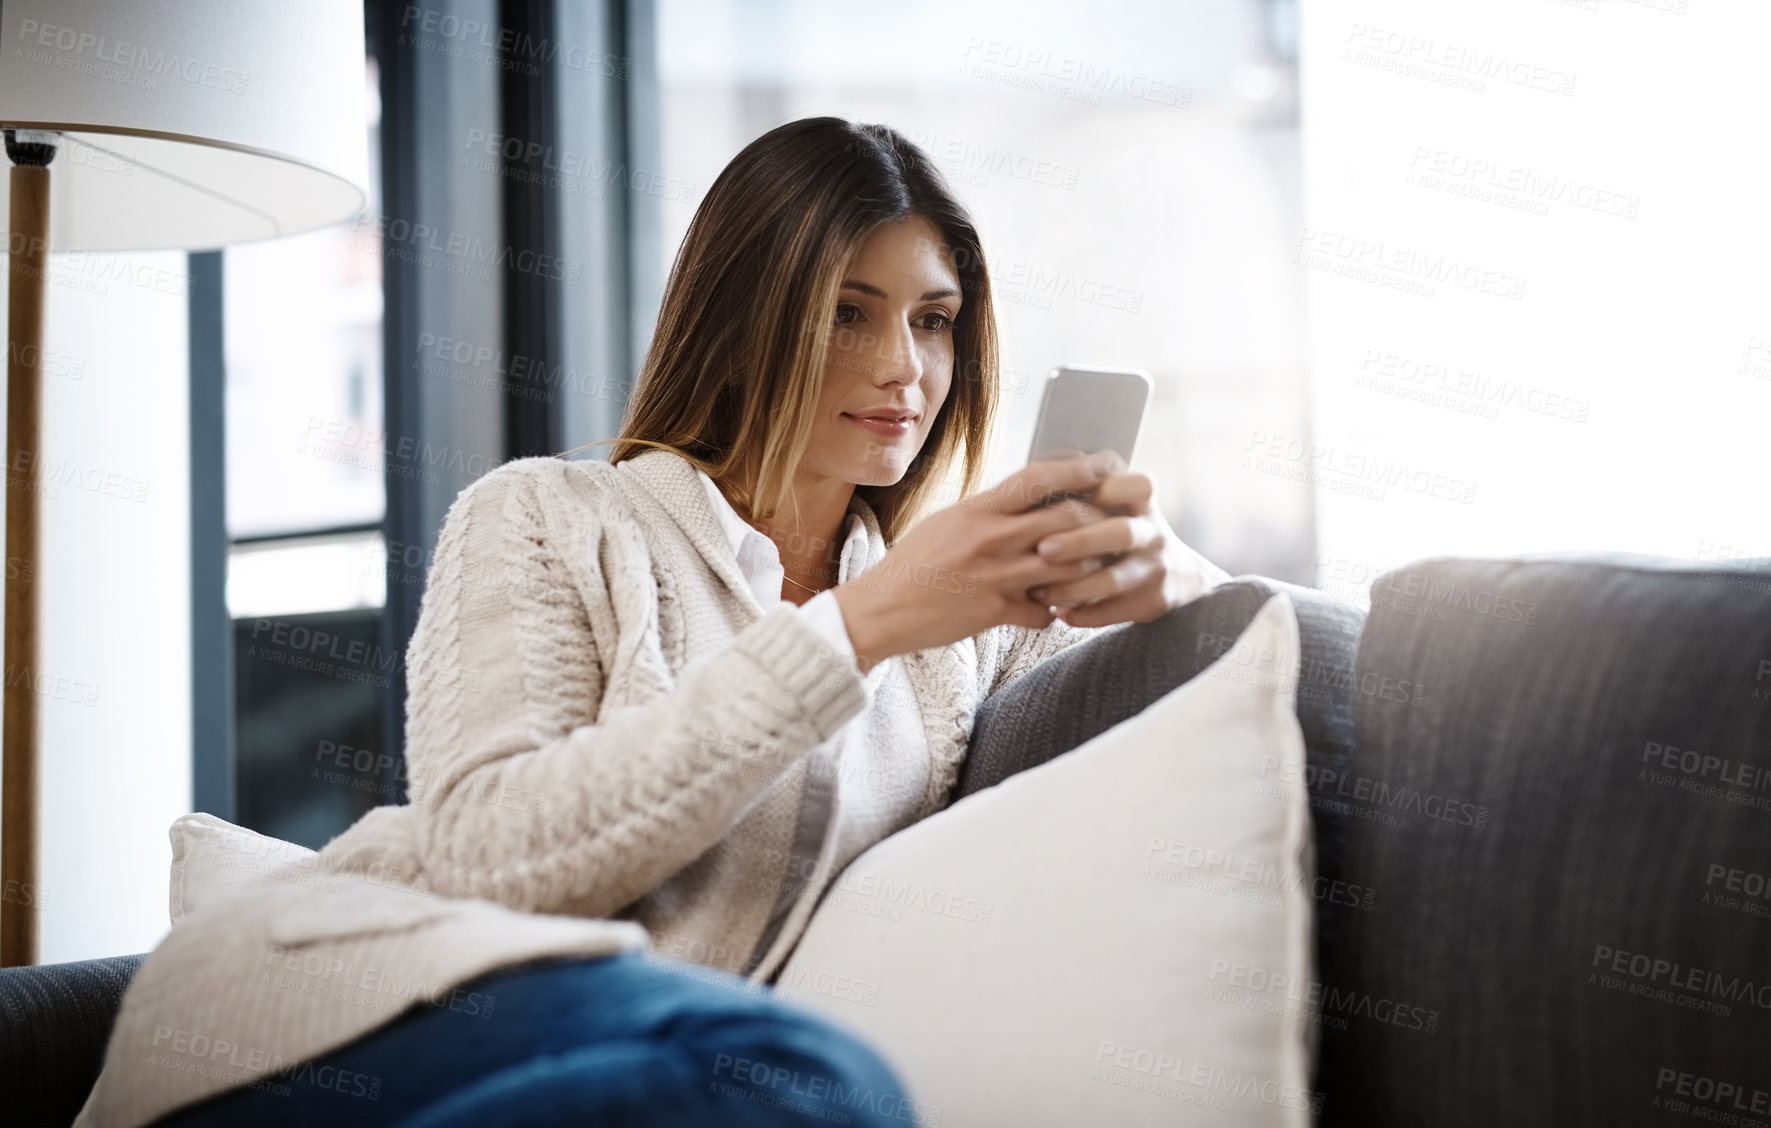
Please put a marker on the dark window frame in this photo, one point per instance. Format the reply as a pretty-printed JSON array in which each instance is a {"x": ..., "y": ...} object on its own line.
[{"x": 417, "y": 131}]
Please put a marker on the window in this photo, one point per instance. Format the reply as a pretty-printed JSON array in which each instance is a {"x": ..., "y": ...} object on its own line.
[
  {"x": 1539, "y": 315},
  {"x": 1135, "y": 180},
  {"x": 302, "y": 341}
]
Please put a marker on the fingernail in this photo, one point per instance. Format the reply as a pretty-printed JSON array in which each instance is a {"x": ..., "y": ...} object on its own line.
[
  {"x": 1100, "y": 462},
  {"x": 1050, "y": 548}
]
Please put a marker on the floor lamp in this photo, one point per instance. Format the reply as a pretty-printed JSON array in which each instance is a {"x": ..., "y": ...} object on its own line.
[{"x": 182, "y": 124}]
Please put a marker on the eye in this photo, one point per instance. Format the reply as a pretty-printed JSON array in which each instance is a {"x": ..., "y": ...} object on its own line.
[
  {"x": 846, "y": 313},
  {"x": 935, "y": 322}
]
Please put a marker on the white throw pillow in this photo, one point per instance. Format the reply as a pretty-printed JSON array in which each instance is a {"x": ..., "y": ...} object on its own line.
[
  {"x": 1121, "y": 935},
  {"x": 210, "y": 854}
]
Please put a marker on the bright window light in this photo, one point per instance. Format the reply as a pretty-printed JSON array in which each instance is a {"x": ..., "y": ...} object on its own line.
[
  {"x": 1533, "y": 245},
  {"x": 345, "y": 572}
]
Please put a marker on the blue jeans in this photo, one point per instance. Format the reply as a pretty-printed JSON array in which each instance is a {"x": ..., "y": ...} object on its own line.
[{"x": 630, "y": 1039}]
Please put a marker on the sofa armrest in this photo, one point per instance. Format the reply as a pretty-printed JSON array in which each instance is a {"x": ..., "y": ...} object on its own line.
[
  {"x": 55, "y": 1020},
  {"x": 1562, "y": 798}
]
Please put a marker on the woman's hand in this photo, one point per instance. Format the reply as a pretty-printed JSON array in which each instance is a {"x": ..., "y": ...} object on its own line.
[
  {"x": 967, "y": 568},
  {"x": 1148, "y": 570}
]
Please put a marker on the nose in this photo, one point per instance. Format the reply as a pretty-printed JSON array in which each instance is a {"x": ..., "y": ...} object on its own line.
[{"x": 898, "y": 361}]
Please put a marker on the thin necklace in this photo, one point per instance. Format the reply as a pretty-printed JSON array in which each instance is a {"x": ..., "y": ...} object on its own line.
[{"x": 797, "y": 584}]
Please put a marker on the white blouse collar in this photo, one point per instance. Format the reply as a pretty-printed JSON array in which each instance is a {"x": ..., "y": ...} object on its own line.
[{"x": 760, "y": 560}]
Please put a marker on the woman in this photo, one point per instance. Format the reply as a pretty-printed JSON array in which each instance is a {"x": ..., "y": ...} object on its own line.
[{"x": 678, "y": 690}]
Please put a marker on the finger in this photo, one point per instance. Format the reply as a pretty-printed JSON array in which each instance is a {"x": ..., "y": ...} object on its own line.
[
  {"x": 1037, "y": 481},
  {"x": 1126, "y": 491},
  {"x": 1033, "y": 615},
  {"x": 1033, "y": 573},
  {"x": 1116, "y": 579},
  {"x": 1111, "y": 459},
  {"x": 1110, "y": 536},
  {"x": 1024, "y": 530},
  {"x": 1139, "y": 606}
]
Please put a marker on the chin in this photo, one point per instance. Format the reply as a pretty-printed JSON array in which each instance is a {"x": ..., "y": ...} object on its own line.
[
  {"x": 867, "y": 464},
  {"x": 876, "y": 475}
]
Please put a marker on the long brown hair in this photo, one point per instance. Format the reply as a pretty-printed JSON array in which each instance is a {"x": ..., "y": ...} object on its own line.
[{"x": 731, "y": 380}]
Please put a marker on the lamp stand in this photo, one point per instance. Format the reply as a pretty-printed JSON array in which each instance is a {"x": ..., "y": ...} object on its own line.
[{"x": 21, "y": 730}]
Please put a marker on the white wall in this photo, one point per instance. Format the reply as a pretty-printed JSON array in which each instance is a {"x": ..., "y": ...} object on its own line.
[
  {"x": 116, "y": 603},
  {"x": 1623, "y": 399}
]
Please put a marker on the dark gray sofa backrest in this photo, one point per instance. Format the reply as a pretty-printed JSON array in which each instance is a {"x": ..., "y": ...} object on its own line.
[{"x": 1566, "y": 822}]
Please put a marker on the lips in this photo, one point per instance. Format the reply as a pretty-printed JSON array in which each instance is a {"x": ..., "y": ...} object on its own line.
[{"x": 891, "y": 423}]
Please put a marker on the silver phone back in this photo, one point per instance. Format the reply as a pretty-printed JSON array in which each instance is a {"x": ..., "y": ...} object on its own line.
[{"x": 1087, "y": 409}]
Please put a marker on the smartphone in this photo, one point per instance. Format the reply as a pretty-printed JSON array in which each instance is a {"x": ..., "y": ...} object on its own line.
[
  {"x": 1085, "y": 409},
  {"x": 1088, "y": 409}
]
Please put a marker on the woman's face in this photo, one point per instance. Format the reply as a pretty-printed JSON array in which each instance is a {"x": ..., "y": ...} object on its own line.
[{"x": 891, "y": 354}]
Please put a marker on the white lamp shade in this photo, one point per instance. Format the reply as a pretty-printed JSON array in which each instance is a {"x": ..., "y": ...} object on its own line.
[{"x": 189, "y": 124}]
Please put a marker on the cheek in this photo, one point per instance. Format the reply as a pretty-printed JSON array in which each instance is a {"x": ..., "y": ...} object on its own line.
[
  {"x": 839, "y": 373},
  {"x": 937, "y": 364},
  {"x": 937, "y": 358},
  {"x": 935, "y": 390},
  {"x": 846, "y": 342}
]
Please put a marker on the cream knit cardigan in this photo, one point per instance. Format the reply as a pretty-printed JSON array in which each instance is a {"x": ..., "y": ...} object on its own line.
[{"x": 605, "y": 738}]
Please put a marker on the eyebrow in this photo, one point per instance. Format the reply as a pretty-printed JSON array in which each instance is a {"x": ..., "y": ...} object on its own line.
[{"x": 876, "y": 292}]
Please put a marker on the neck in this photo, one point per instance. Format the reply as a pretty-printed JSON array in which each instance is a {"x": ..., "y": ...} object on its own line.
[{"x": 809, "y": 545}]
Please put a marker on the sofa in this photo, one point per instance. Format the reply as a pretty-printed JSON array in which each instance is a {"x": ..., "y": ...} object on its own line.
[{"x": 1541, "y": 797}]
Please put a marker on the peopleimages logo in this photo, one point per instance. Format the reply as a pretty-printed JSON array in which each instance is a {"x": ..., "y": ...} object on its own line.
[
  {"x": 1458, "y": 597},
  {"x": 1743, "y": 890},
  {"x": 1322, "y": 782},
  {"x": 1726, "y": 1094},
  {"x": 1349, "y": 471},
  {"x": 1146, "y": 1065},
  {"x": 814, "y": 1095},
  {"x": 1073, "y": 79},
  {"x": 133, "y": 61},
  {"x": 1163, "y": 859},
  {"x": 973, "y": 158},
  {"x": 515, "y": 50},
  {"x": 831, "y": 985},
  {"x": 1455, "y": 387},
  {"x": 1525, "y": 183},
  {"x": 1375, "y": 260},
  {"x": 1705, "y": 775},
  {"x": 901, "y": 895},
  {"x": 1425, "y": 57},
  {"x": 458, "y": 252},
  {"x": 1322, "y": 998},
  {"x": 199, "y": 1054},
  {"x": 1705, "y": 766},
  {"x": 1656, "y": 972}
]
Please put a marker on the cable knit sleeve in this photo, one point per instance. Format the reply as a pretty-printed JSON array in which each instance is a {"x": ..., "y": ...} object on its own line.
[{"x": 521, "y": 799}]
